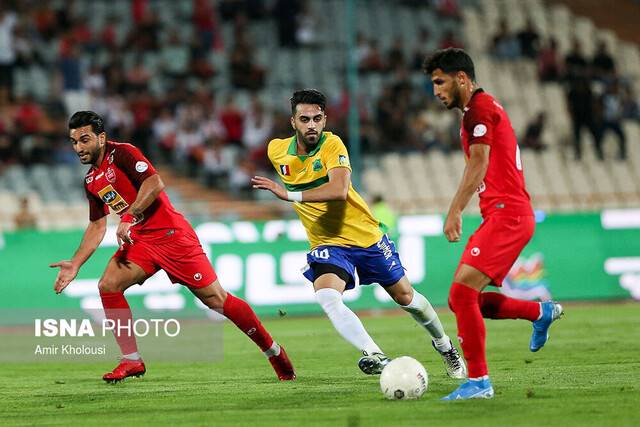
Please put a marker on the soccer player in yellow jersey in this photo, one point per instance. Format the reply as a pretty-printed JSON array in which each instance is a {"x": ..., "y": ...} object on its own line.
[{"x": 344, "y": 235}]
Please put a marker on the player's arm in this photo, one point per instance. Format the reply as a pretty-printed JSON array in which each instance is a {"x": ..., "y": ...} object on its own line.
[
  {"x": 148, "y": 192},
  {"x": 474, "y": 173},
  {"x": 336, "y": 189},
  {"x": 93, "y": 235}
]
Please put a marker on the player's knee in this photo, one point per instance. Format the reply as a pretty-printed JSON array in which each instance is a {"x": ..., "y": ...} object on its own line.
[
  {"x": 403, "y": 298},
  {"x": 107, "y": 285},
  {"x": 214, "y": 300},
  {"x": 328, "y": 297}
]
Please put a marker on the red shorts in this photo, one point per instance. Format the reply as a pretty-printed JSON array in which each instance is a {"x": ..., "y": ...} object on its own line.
[
  {"x": 179, "y": 255},
  {"x": 497, "y": 243}
]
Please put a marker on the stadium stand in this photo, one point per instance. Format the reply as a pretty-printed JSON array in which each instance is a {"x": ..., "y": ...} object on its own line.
[{"x": 216, "y": 70}]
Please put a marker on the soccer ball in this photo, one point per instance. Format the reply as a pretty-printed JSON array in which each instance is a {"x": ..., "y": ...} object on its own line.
[{"x": 404, "y": 378}]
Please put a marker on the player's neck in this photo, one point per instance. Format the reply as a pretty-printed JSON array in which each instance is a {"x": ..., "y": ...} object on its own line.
[
  {"x": 467, "y": 94},
  {"x": 100, "y": 157}
]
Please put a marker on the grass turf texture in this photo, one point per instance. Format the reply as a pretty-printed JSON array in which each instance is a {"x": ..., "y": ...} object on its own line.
[{"x": 585, "y": 376}]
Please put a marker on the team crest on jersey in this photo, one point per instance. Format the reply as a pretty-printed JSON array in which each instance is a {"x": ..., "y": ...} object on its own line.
[
  {"x": 110, "y": 175},
  {"x": 114, "y": 200},
  {"x": 284, "y": 170},
  {"x": 317, "y": 165},
  {"x": 479, "y": 130}
]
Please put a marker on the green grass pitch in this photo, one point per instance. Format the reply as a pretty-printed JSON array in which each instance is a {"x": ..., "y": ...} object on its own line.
[{"x": 587, "y": 375}]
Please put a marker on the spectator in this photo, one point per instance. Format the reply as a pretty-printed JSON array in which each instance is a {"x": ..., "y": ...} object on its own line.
[
  {"x": 245, "y": 74},
  {"x": 206, "y": 25},
  {"x": 533, "y": 134},
  {"x": 612, "y": 115},
  {"x": 529, "y": 40},
  {"x": 216, "y": 163},
  {"x": 395, "y": 56},
  {"x": 580, "y": 100},
  {"x": 285, "y": 13},
  {"x": 24, "y": 218},
  {"x": 369, "y": 56},
  {"x": 604, "y": 67},
  {"x": 137, "y": 77},
  {"x": 450, "y": 40},
  {"x": 448, "y": 9},
  {"x": 174, "y": 57},
  {"x": 550, "y": 66},
  {"x": 231, "y": 118},
  {"x": 306, "y": 33},
  {"x": 630, "y": 108},
  {"x": 164, "y": 134},
  {"x": 422, "y": 47},
  {"x": 576, "y": 64},
  {"x": 504, "y": 44},
  {"x": 257, "y": 128}
]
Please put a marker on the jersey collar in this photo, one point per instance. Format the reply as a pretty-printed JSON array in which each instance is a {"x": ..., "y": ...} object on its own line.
[{"x": 293, "y": 147}]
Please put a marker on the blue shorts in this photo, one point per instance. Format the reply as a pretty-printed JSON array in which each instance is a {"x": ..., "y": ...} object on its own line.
[{"x": 379, "y": 263}]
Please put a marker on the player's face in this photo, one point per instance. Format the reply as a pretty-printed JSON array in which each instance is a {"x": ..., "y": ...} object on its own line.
[
  {"x": 446, "y": 88},
  {"x": 87, "y": 145},
  {"x": 309, "y": 121}
]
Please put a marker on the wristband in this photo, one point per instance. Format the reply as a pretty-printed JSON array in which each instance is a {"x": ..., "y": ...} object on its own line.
[
  {"x": 294, "y": 196},
  {"x": 128, "y": 218}
]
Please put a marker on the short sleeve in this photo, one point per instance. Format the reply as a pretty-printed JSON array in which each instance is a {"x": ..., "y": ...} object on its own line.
[
  {"x": 478, "y": 124},
  {"x": 133, "y": 163},
  {"x": 97, "y": 208},
  {"x": 335, "y": 155}
]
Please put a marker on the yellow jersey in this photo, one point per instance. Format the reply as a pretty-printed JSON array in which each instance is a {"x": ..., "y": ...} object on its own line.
[{"x": 336, "y": 223}]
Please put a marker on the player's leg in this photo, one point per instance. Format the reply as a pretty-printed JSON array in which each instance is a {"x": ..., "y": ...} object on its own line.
[
  {"x": 414, "y": 303},
  {"x": 329, "y": 284},
  {"x": 242, "y": 315},
  {"x": 119, "y": 275},
  {"x": 464, "y": 300}
]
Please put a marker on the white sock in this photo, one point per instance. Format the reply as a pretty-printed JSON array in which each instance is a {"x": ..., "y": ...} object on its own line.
[
  {"x": 274, "y": 350},
  {"x": 131, "y": 356},
  {"x": 421, "y": 310},
  {"x": 345, "y": 321}
]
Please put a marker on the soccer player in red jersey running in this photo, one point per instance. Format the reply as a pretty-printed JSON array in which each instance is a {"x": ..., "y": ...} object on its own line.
[
  {"x": 152, "y": 235},
  {"x": 494, "y": 170}
]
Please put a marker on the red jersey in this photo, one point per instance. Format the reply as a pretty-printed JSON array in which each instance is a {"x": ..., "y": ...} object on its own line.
[
  {"x": 503, "y": 190},
  {"x": 115, "y": 184}
]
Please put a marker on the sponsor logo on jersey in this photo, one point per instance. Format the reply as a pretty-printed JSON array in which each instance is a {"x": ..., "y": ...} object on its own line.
[
  {"x": 89, "y": 179},
  {"x": 197, "y": 276},
  {"x": 385, "y": 247},
  {"x": 111, "y": 156},
  {"x": 112, "y": 199},
  {"x": 479, "y": 130},
  {"x": 475, "y": 251},
  {"x": 141, "y": 166},
  {"x": 342, "y": 159},
  {"x": 99, "y": 175},
  {"x": 284, "y": 170},
  {"x": 317, "y": 165},
  {"x": 481, "y": 188},
  {"x": 110, "y": 175}
]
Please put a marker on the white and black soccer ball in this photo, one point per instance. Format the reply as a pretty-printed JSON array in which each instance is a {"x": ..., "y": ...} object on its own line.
[{"x": 404, "y": 378}]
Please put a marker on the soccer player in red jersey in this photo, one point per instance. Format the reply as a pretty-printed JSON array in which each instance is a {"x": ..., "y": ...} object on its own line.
[
  {"x": 494, "y": 170},
  {"x": 152, "y": 235}
]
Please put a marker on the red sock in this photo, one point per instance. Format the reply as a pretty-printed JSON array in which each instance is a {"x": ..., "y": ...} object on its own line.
[
  {"x": 495, "y": 305},
  {"x": 240, "y": 313},
  {"x": 464, "y": 301},
  {"x": 116, "y": 308}
]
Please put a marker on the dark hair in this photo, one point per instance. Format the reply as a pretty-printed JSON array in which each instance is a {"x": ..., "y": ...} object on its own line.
[
  {"x": 449, "y": 60},
  {"x": 86, "y": 118},
  {"x": 308, "y": 96}
]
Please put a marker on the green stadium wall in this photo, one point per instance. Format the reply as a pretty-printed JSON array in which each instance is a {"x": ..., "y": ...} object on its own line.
[{"x": 592, "y": 256}]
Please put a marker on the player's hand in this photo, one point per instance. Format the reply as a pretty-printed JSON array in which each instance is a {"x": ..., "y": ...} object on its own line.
[
  {"x": 123, "y": 234},
  {"x": 263, "y": 183},
  {"x": 67, "y": 273},
  {"x": 453, "y": 227}
]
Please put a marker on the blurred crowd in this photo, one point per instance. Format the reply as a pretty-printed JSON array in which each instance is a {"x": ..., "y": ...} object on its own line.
[
  {"x": 598, "y": 98},
  {"x": 170, "y": 110}
]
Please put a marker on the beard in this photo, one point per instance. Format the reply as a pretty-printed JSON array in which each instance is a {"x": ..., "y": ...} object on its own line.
[
  {"x": 92, "y": 156},
  {"x": 456, "y": 98},
  {"x": 309, "y": 144}
]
